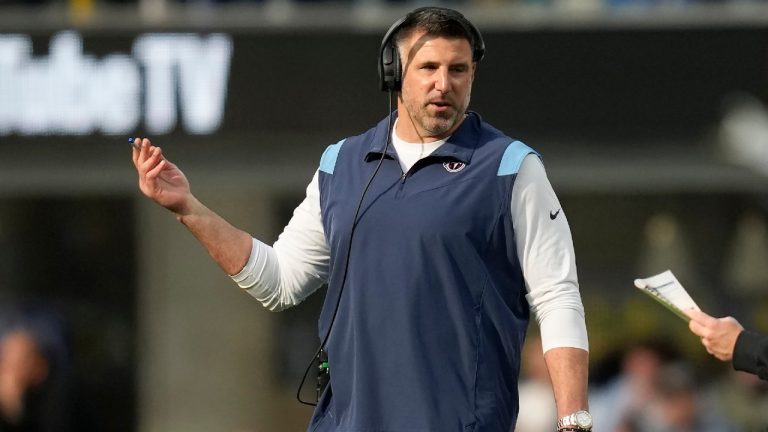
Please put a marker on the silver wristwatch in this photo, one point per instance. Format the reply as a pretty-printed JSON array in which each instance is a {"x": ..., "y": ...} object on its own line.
[{"x": 580, "y": 419}]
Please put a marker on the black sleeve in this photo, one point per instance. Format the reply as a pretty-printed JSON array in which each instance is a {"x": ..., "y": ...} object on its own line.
[{"x": 751, "y": 354}]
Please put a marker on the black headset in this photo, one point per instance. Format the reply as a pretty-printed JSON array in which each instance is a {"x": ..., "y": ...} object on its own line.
[{"x": 390, "y": 67}]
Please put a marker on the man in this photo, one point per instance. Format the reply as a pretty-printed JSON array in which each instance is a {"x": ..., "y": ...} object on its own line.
[
  {"x": 726, "y": 339},
  {"x": 434, "y": 252}
]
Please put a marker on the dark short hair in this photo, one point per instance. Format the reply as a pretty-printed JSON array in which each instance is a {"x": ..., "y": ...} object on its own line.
[{"x": 443, "y": 22}]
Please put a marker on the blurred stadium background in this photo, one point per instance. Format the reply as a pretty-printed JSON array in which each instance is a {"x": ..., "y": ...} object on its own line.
[{"x": 649, "y": 114}]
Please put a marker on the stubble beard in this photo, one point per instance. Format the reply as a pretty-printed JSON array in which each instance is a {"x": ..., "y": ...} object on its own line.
[
  {"x": 438, "y": 123},
  {"x": 434, "y": 124}
]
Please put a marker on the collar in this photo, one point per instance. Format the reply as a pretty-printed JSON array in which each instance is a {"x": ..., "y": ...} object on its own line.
[{"x": 460, "y": 146}]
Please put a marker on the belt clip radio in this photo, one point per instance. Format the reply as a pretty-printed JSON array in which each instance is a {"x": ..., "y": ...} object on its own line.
[{"x": 323, "y": 372}]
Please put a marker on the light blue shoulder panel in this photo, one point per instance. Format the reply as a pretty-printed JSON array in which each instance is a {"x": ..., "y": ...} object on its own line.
[
  {"x": 328, "y": 160},
  {"x": 513, "y": 158}
]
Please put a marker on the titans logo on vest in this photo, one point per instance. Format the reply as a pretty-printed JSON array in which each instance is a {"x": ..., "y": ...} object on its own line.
[{"x": 454, "y": 166}]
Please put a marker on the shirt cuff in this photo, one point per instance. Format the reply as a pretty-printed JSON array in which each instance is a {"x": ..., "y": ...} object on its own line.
[
  {"x": 254, "y": 268},
  {"x": 564, "y": 328}
]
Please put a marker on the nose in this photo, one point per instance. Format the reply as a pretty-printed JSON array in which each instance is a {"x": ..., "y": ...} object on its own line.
[{"x": 442, "y": 81}]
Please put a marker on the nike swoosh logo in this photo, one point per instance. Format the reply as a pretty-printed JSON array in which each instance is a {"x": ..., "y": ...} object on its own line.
[{"x": 553, "y": 215}]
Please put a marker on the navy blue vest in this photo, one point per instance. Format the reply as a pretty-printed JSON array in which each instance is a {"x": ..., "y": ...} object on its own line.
[{"x": 433, "y": 314}]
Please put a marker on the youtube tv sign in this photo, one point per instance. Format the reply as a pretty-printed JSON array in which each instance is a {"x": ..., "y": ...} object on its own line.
[
  {"x": 245, "y": 85},
  {"x": 167, "y": 81}
]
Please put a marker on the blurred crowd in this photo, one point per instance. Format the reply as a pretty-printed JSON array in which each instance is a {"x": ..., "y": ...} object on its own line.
[{"x": 648, "y": 386}]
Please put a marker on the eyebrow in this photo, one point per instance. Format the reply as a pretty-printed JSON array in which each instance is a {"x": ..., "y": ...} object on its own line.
[{"x": 454, "y": 65}]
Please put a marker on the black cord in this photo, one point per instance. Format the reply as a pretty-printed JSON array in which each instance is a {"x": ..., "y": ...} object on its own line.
[{"x": 349, "y": 250}]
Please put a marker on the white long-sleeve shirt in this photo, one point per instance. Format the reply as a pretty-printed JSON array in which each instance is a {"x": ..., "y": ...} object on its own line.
[{"x": 296, "y": 265}]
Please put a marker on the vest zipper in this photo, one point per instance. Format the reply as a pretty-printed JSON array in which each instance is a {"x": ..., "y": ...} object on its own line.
[{"x": 413, "y": 167}]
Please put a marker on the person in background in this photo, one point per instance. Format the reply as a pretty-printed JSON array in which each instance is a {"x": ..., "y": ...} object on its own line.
[
  {"x": 34, "y": 371},
  {"x": 677, "y": 404},
  {"x": 620, "y": 402},
  {"x": 740, "y": 397},
  {"x": 23, "y": 371},
  {"x": 727, "y": 340}
]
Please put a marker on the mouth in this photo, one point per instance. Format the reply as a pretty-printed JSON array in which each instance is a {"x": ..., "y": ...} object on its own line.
[{"x": 440, "y": 105}]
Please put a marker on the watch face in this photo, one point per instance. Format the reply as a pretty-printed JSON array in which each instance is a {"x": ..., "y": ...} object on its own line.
[{"x": 583, "y": 419}]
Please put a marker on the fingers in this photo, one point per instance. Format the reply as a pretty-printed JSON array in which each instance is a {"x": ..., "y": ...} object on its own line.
[
  {"x": 135, "y": 148},
  {"x": 156, "y": 170},
  {"x": 701, "y": 324},
  {"x": 708, "y": 347},
  {"x": 136, "y": 151},
  {"x": 694, "y": 324},
  {"x": 145, "y": 156},
  {"x": 138, "y": 145},
  {"x": 700, "y": 320},
  {"x": 697, "y": 315},
  {"x": 151, "y": 161},
  {"x": 697, "y": 328}
]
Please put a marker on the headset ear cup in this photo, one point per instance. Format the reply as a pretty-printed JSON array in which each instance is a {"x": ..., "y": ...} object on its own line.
[
  {"x": 387, "y": 67},
  {"x": 389, "y": 59},
  {"x": 398, "y": 70}
]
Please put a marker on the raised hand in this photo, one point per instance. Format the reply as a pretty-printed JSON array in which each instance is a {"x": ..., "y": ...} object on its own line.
[
  {"x": 159, "y": 179},
  {"x": 164, "y": 183}
]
